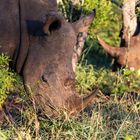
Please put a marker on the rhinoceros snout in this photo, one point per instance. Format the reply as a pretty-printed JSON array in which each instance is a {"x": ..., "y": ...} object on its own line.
[
  {"x": 44, "y": 79},
  {"x": 69, "y": 82}
]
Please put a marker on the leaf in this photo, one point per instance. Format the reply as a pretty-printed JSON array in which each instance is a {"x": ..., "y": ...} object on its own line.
[{"x": 127, "y": 137}]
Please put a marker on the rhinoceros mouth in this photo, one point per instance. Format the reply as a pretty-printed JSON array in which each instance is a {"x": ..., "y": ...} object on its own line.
[{"x": 67, "y": 103}]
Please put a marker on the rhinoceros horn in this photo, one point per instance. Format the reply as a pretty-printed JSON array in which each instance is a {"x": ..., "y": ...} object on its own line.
[
  {"x": 113, "y": 51},
  {"x": 77, "y": 104}
]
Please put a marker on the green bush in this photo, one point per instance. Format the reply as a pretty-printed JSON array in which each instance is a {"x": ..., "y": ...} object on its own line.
[
  {"x": 107, "y": 23},
  {"x": 138, "y": 13},
  {"x": 85, "y": 77},
  {"x": 70, "y": 12},
  {"x": 7, "y": 78},
  {"x": 110, "y": 83}
]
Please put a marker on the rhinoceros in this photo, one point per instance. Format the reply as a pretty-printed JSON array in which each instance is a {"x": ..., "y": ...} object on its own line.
[
  {"x": 126, "y": 56},
  {"x": 41, "y": 44}
]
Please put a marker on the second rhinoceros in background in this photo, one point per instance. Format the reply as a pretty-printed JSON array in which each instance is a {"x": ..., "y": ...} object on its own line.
[{"x": 126, "y": 56}]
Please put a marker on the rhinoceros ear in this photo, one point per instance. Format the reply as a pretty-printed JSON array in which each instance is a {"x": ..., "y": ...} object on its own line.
[
  {"x": 53, "y": 22},
  {"x": 83, "y": 23}
]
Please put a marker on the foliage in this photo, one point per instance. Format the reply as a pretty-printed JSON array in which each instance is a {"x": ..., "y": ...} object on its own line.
[
  {"x": 113, "y": 118},
  {"x": 118, "y": 83},
  {"x": 71, "y": 12},
  {"x": 138, "y": 13},
  {"x": 110, "y": 83},
  {"x": 85, "y": 77},
  {"x": 107, "y": 23},
  {"x": 110, "y": 118},
  {"x": 7, "y": 78}
]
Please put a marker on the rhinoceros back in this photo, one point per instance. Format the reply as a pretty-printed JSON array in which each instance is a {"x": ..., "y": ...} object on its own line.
[
  {"x": 14, "y": 14},
  {"x": 9, "y": 26}
]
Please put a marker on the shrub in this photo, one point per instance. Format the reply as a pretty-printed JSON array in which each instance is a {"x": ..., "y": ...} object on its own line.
[
  {"x": 110, "y": 83},
  {"x": 107, "y": 23},
  {"x": 7, "y": 77},
  {"x": 85, "y": 77}
]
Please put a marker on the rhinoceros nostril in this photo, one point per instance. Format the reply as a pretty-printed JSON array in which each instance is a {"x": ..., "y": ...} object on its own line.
[{"x": 44, "y": 78}]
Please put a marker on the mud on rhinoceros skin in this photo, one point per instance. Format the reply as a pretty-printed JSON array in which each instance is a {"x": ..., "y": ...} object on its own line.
[
  {"x": 129, "y": 56},
  {"x": 43, "y": 54}
]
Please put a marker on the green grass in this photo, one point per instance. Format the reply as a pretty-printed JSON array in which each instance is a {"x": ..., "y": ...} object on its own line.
[
  {"x": 114, "y": 116},
  {"x": 111, "y": 119},
  {"x": 110, "y": 83},
  {"x": 7, "y": 78}
]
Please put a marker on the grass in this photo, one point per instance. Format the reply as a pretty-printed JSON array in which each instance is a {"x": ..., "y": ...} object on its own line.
[
  {"x": 111, "y": 119},
  {"x": 7, "y": 78},
  {"x": 114, "y": 116}
]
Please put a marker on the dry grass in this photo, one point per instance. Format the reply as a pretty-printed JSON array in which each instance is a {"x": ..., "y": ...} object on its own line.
[{"x": 112, "y": 119}]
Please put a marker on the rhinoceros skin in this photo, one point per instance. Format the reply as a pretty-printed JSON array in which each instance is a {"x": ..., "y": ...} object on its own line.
[{"x": 40, "y": 42}]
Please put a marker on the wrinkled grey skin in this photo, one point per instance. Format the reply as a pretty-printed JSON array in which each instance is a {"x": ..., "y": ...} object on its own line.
[{"x": 41, "y": 43}]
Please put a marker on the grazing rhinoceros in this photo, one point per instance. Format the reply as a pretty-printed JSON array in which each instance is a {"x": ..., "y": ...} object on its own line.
[
  {"x": 40, "y": 42},
  {"x": 126, "y": 56}
]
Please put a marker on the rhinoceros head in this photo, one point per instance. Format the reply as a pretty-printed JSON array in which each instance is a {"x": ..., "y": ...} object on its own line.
[
  {"x": 48, "y": 67},
  {"x": 125, "y": 56}
]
